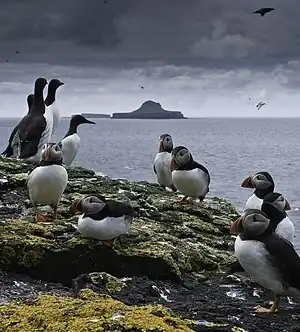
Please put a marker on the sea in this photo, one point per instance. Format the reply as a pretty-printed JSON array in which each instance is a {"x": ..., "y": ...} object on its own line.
[{"x": 230, "y": 148}]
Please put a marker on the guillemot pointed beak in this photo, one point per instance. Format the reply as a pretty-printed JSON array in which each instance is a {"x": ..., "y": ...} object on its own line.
[
  {"x": 236, "y": 226},
  {"x": 88, "y": 121},
  {"x": 61, "y": 83},
  {"x": 247, "y": 183},
  {"x": 287, "y": 206}
]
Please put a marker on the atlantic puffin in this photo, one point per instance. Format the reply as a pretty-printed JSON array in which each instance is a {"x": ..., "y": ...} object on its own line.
[
  {"x": 275, "y": 207},
  {"x": 162, "y": 162},
  {"x": 35, "y": 130},
  {"x": 71, "y": 142},
  {"x": 263, "y": 184},
  {"x": 189, "y": 177},
  {"x": 14, "y": 144},
  {"x": 103, "y": 219},
  {"x": 47, "y": 182},
  {"x": 51, "y": 104},
  {"x": 269, "y": 259}
]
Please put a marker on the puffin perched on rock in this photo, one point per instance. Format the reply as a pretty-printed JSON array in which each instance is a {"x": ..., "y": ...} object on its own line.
[
  {"x": 269, "y": 259},
  {"x": 103, "y": 219},
  {"x": 14, "y": 144},
  {"x": 189, "y": 177},
  {"x": 34, "y": 129},
  {"x": 263, "y": 184},
  {"x": 274, "y": 206},
  {"x": 71, "y": 142},
  {"x": 47, "y": 182},
  {"x": 162, "y": 162},
  {"x": 50, "y": 102}
]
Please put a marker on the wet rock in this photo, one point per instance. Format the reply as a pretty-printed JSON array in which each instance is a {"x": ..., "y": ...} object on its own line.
[{"x": 167, "y": 241}]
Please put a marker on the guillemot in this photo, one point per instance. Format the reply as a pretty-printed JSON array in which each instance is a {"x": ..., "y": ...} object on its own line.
[
  {"x": 71, "y": 142},
  {"x": 189, "y": 177},
  {"x": 35, "y": 130},
  {"x": 162, "y": 162},
  {"x": 51, "y": 104},
  {"x": 14, "y": 145}
]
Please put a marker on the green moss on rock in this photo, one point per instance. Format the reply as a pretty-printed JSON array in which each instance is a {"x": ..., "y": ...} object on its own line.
[
  {"x": 166, "y": 240},
  {"x": 88, "y": 313}
]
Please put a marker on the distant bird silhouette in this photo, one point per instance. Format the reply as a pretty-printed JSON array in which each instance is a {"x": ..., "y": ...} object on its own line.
[
  {"x": 17, "y": 52},
  {"x": 142, "y": 87},
  {"x": 106, "y": 1},
  {"x": 263, "y": 11}
]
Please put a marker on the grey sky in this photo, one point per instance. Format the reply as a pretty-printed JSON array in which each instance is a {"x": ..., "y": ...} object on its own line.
[{"x": 204, "y": 57}]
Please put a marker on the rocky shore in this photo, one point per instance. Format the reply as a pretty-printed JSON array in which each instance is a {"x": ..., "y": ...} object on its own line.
[{"x": 168, "y": 274}]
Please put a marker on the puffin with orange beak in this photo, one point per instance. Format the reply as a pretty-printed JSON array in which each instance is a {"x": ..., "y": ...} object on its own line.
[
  {"x": 189, "y": 177},
  {"x": 47, "y": 182},
  {"x": 274, "y": 206},
  {"x": 267, "y": 258},
  {"x": 263, "y": 184}
]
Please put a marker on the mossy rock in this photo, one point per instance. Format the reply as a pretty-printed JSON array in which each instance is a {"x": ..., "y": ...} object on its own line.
[
  {"x": 166, "y": 241},
  {"x": 88, "y": 313}
]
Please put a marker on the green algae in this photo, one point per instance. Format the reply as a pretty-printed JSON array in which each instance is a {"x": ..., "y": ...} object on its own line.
[
  {"x": 88, "y": 313},
  {"x": 166, "y": 239}
]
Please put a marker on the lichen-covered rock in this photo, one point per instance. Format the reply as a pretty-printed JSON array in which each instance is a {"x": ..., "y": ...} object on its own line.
[
  {"x": 88, "y": 313},
  {"x": 167, "y": 240}
]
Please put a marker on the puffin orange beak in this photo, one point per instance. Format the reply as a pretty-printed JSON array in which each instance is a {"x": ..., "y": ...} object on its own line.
[
  {"x": 236, "y": 226},
  {"x": 247, "y": 183},
  {"x": 172, "y": 165}
]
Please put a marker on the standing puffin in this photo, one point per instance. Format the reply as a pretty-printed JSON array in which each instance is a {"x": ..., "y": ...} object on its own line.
[
  {"x": 35, "y": 130},
  {"x": 190, "y": 178},
  {"x": 103, "y": 219},
  {"x": 47, "y": 182},
  {"x": 71, "y": 142},
  {"x": 14, "y": 144},
  {"x": 274, "y": 206},
  {"x": 50, "y": 102},
  {"x": 267, "y": 258},
  {"x": 162, "y": 162},
  {"x": 263, "y": 184}
]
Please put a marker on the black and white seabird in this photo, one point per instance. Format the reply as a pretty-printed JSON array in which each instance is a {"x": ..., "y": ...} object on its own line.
[
  {"x": 51, "y": 104},
  {"x": 274, "y": 206},
  {"x": 14, "y": 145},
  {"x": 47, "y": 182},
  {"x": 103, "y": 219},
  {"x": 263, "y": 184},
  {"x": 189, "y": 177},
  {"x": 267, "y": 258},
  {"x": 35, "y": 130},
  {"x": 71, "y": 142},
  {"x": 263, "y": 11},
  {"x": 162, "y": 162}
]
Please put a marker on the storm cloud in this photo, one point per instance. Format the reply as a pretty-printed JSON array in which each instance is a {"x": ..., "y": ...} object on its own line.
[{"x": 215, "y": 56}]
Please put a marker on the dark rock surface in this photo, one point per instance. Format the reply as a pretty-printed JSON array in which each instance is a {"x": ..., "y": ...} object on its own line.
[{"x": 149, "y": 110}]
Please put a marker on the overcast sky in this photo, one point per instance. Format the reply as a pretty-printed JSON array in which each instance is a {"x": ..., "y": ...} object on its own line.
[{"x": 203, "y": 57}]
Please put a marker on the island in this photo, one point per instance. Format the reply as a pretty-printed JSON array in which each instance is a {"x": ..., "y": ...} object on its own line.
[
  {"x": 149, "y": 110},
  {"x": 96, "y": 115}
]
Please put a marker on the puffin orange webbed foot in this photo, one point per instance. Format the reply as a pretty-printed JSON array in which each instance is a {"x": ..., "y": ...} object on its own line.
[{"x": 40, "y": 218}]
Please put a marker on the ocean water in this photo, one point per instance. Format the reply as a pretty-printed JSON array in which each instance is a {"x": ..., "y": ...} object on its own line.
[{"x": 231, "y": 149}]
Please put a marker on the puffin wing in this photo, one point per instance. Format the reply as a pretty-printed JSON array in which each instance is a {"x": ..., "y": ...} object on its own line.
[
  {"x": 154, "y": 169},
  {"x": 203, "y": 168},
  {"x": 284, "y": 257},
  {"x": 119, "y": 209}
]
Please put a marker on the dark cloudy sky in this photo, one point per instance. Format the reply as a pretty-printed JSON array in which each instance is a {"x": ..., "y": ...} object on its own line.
[{"x": 204, "y": 57}]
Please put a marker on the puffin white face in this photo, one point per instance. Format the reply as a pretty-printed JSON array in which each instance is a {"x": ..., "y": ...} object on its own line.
[
  {"x": 165, "y": 143},
  {"x": 252, "y": 223},
  {"x": 52, "y": 153},
  {"x": 260, "y": 181},
  {"x": 92, "y": 205},
  {"x": 181, "y": 157}
]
